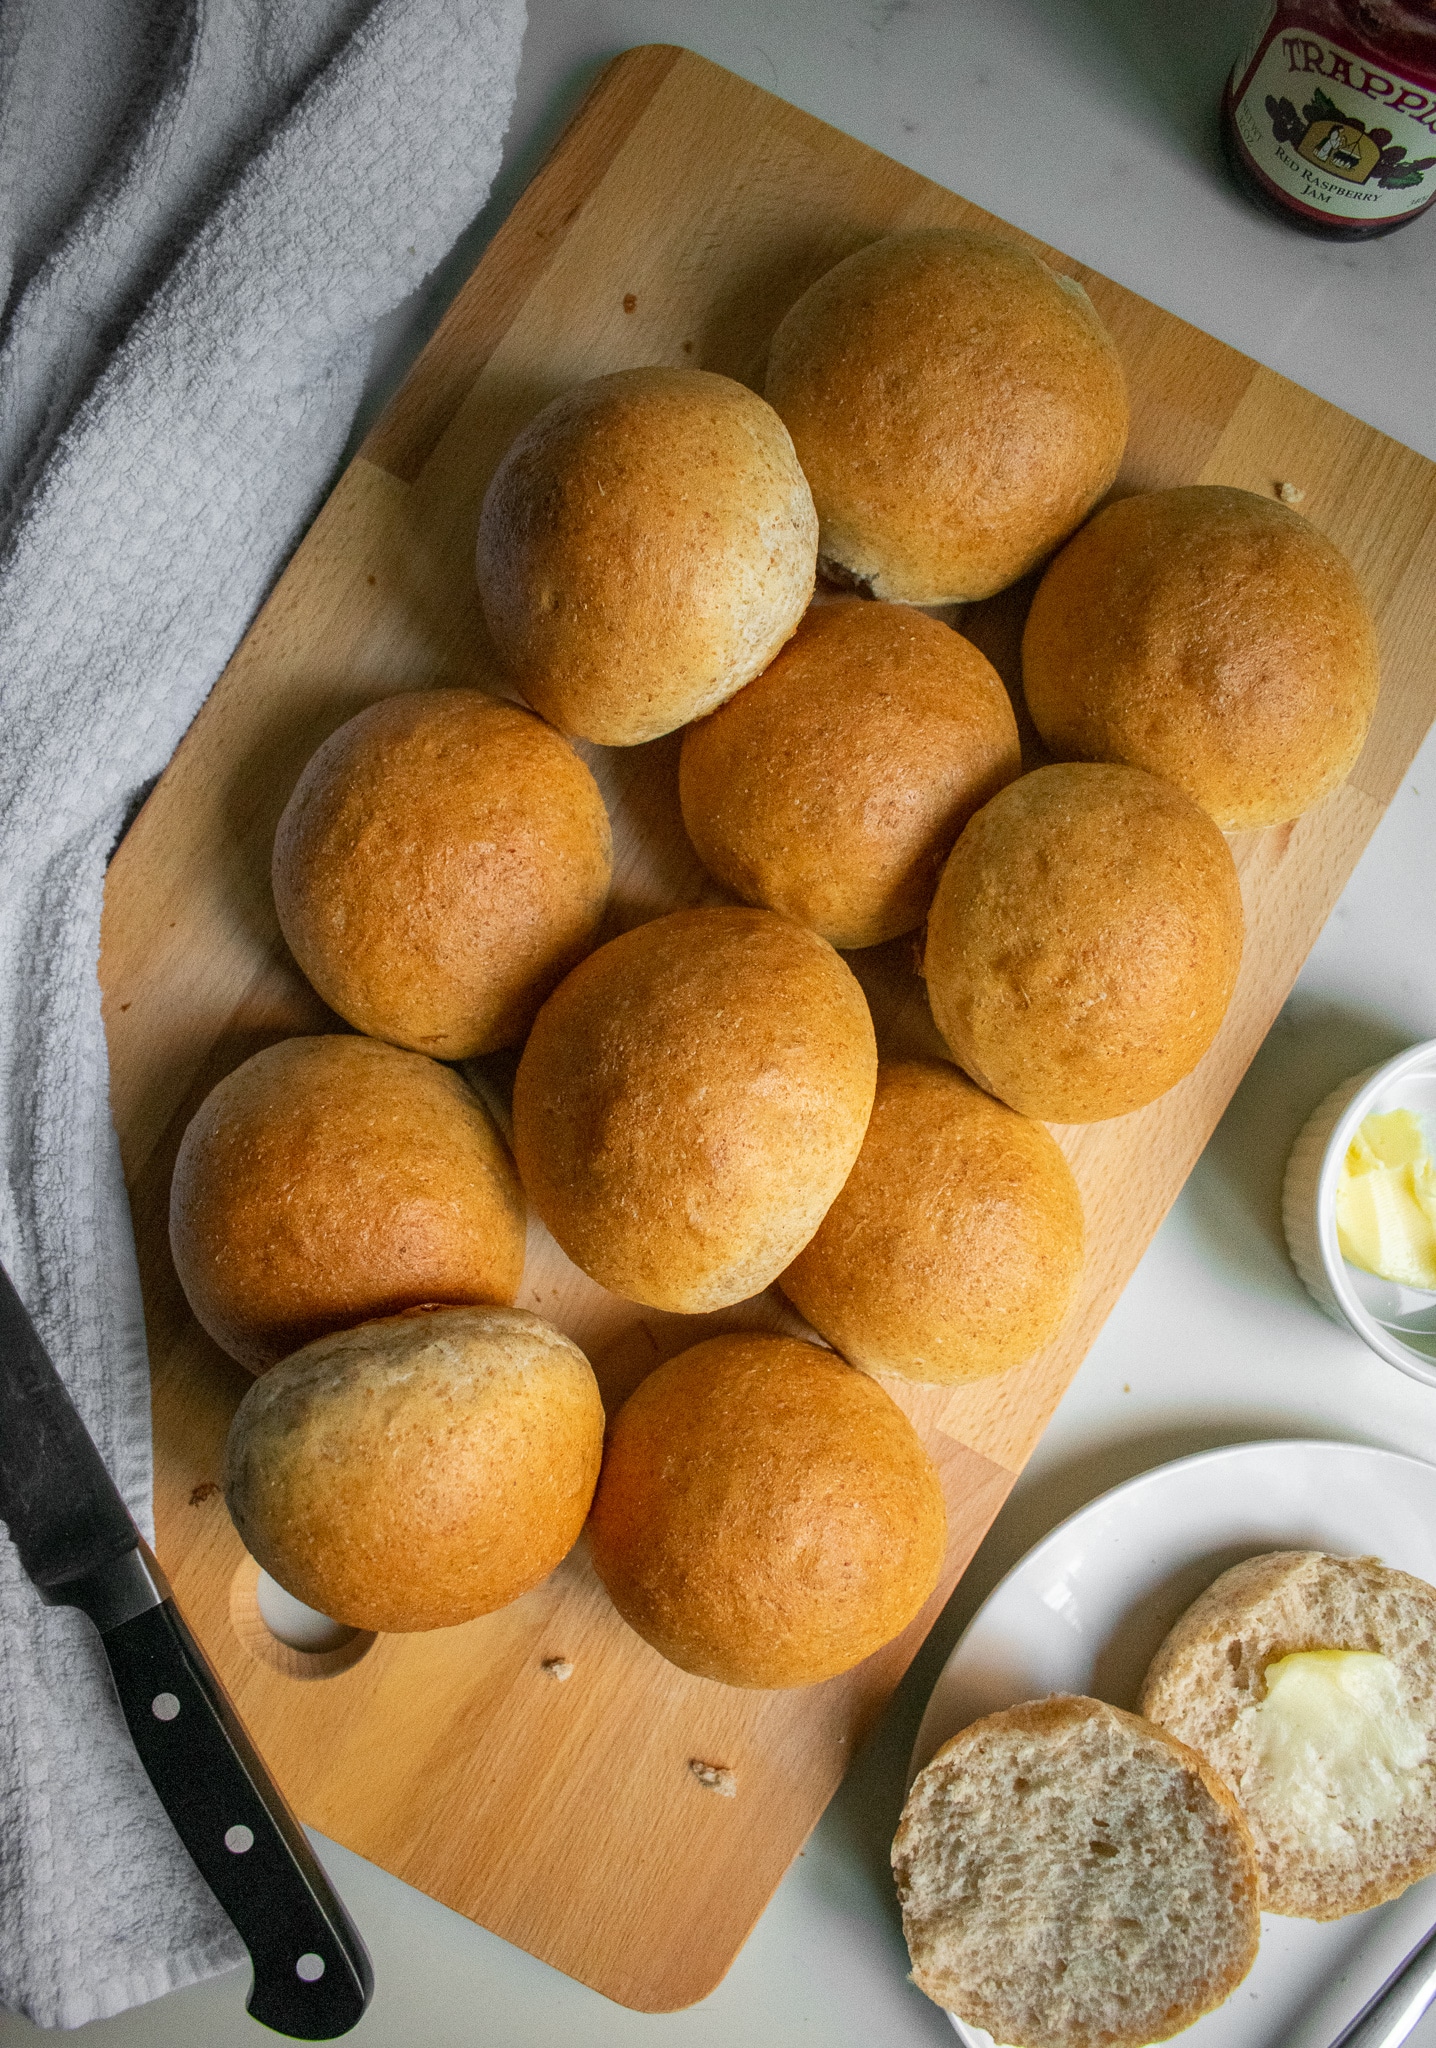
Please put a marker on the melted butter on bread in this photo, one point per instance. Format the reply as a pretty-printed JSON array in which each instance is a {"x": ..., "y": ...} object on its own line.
[{"x": 1337, "y": 1740}]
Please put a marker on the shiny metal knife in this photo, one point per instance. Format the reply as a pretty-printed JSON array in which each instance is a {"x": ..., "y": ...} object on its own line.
[
  {"x": 312, "y": 1978},
  {"x": 1385, "y": 2020}
]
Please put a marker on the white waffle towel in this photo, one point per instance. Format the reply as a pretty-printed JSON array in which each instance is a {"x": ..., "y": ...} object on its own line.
[{"x": 206, "y": 205}]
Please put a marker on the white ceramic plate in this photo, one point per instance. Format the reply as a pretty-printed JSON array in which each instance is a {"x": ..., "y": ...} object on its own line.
[{"x": 1086, "y": 1609}]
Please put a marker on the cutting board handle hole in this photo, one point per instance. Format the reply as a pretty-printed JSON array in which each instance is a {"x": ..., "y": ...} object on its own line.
[{"x": 277, "y": 1630}]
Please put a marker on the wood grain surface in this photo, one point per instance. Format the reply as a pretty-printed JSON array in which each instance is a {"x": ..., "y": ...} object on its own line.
[{"x": 679, "y": 217}]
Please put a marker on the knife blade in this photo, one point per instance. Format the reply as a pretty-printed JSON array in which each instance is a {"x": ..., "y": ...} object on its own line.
[{"x": 80, "y": 1548}]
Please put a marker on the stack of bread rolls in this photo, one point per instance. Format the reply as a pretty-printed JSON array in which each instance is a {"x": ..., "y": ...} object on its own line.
[{"x": 698, "y": 1110}]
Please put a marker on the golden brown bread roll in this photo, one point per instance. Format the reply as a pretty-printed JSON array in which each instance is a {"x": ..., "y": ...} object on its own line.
[
  {"x": 690, "y": 1101},
  {"x": 957, "y": 408},
  {"x": 444, "y": 860},
  {"x": 645, "y": 548},
  {"x": 1212, "y": 636},
  {"x": 955, "y": 1246},
  {"x": 766, "y": 1516},
  {"x": 417, "y": 1471},
  {"x": 330, "y": 1180},
  {"x": 1084, "y": 941},
  {"x": 833, "y": 786}
]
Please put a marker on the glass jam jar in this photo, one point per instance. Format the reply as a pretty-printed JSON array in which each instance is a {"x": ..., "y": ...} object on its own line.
[{"x": 1329, "y": 116}]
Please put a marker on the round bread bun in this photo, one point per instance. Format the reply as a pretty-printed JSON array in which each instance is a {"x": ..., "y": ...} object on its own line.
[
  {"x": 330, "y": 1180},
  {"x": 444, "y": 860},
  {"x": 766, "y": 1516},
  {"x": 690, "y": 1101},
  {"x": 1212, "y": 636},
  {"x": 645, "y": 548},
  {"x": 1071, "y": 1877},
  {"x": 1084, "y": 941},
  {"x": 420, "y": 1470},
  {"x": 957, "y": 408},
  {"x": 832, "y": 787},
  {"x": 955, "y": 1246},
  {"x": 1211, "y": 1672}
]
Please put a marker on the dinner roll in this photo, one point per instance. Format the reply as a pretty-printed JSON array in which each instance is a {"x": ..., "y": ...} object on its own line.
[
  {"x": 957, "y": 408},
  {"x": 329, "y": 1180},
  {"x": 1212, "y": 636},
  {"x": 442, "y": 863},
  {"x": 834, "y": 785},
  {"x": 1084, "y": 941},
  {"x": 690, "y": 1101},
  {"x": 1072, "y": 1877},
  {"x": 645, "y": 548},
  {"x": 766, "y": 1516},
  {"x": 954, "y": 1248},
  {"x": 420, "y": 1470},
  {"x": 1332, "y": 1756}
]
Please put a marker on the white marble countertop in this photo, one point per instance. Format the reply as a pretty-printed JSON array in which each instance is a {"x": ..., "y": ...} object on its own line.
[{"x": 1090, "y": 123}]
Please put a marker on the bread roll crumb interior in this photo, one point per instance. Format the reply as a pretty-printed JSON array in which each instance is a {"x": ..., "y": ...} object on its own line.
[{"x": 1072, "y": 1877}]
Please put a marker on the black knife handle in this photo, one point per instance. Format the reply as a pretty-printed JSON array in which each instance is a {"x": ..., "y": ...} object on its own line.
[{"x": 312, "y": 1978}]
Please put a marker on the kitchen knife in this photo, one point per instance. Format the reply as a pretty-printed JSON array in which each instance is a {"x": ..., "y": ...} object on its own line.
[
  {"x": 312, "y": 1978},
  {"x": 1385, "y": 2020}
]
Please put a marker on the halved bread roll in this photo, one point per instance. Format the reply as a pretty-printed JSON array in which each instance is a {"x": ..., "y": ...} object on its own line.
[
  {"x": 1333, "y": 1757},
  {"x": 1072, "y": 1877}
]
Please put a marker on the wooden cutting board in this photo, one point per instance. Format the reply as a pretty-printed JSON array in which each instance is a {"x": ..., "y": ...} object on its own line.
[{"x": 681, "y": 214}]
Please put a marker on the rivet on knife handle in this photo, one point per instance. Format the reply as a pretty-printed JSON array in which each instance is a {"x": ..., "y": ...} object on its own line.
[
  {"x": 80, "y": 1548},
  {"x": 311, "y": 1973}
]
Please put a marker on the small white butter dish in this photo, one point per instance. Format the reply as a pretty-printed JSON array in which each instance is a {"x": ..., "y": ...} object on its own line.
[{"x": 1399, "y": 1323}]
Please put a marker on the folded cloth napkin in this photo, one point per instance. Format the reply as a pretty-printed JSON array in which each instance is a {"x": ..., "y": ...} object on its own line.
[{"x": 207, "y": 204}]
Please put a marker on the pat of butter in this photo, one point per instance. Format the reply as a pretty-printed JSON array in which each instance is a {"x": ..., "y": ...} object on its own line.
[
  {"x": 1336, "y": 1742},
  {"x": 1386, "y": 1201}
]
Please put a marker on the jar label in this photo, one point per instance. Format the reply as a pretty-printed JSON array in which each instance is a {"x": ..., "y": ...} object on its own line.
[{"x": 1342, "y": 137}]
